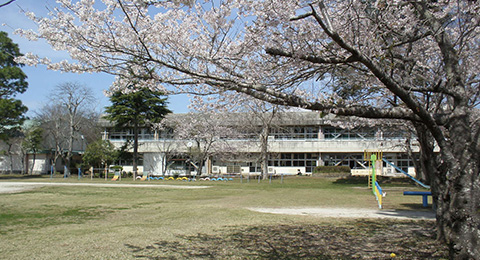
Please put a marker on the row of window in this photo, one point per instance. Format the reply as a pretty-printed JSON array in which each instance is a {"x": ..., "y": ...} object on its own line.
[
  {"x": 355, "y": 161},
  {"x": 286, "y": 133},
  {"x": 307, "y": 160}
]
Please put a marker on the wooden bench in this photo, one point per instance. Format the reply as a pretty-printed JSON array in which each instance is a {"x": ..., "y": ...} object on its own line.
[{"x": 424, "y": 195}]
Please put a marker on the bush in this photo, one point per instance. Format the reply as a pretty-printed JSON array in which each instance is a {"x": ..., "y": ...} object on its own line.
[
  {"x": 116, "y": 168},
  {"x": 331, "y": 169}
]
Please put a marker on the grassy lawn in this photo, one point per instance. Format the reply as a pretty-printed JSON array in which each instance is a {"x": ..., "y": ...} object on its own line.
[{"x": 82, "y": 222}]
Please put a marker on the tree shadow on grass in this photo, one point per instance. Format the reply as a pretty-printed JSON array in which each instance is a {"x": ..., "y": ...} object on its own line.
[{"x": 363, "y": 239}]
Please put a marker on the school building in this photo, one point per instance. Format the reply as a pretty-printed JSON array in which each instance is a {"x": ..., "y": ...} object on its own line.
[{"x": 297, "y": 142}]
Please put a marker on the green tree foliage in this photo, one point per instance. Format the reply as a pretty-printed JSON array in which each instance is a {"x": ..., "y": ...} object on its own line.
[
  {"x": 11, "y": 117},
  {"x": 12, "y": 78},
  {"x": 12, "y": 82},
  {"x": 32, "y": 142},
  {"x": 100, "y": 153},
  {"x": 138, "y": 108}
]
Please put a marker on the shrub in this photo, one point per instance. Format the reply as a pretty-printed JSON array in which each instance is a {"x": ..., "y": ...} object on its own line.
[{"x": 332, "y": 169}]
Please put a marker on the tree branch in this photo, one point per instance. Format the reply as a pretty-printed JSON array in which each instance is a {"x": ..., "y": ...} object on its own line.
[
  {"x": 310, "y": 58},
  {"x": 7, "y": 3},
  {"x": 388, "y": 82}
]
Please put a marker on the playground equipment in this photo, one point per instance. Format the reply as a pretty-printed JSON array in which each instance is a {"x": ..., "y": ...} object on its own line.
[
  {"x": 374, "y": 161},
  {"x": 188, "y": 179},
  {"x": 408, "y": 175},
  {"x": 424, "y": 195},
  {"x": 117, "y": 172},
  {"x": 117, "y": 176}
]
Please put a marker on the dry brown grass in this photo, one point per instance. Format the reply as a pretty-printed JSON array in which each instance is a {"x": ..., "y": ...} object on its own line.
[{"x": 152, "y": 223}]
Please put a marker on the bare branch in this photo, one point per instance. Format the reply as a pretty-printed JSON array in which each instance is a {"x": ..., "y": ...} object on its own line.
[{"x": 7, "y": 3}]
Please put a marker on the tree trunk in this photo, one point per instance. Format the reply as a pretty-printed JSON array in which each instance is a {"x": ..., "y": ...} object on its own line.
[
  {"x": 455, "y": 182},
  {"x": 33, "y": 162},
  {"x": 200, "y": 167},
  {"x": 264, "y": 151},
  {"x": 135, "y": 149},
  {"x": 70, "y": 142},
  {"x": 460, "y": 199},
  {"x": 10, "y": 155},
  {"x": 458, "y": 212}
]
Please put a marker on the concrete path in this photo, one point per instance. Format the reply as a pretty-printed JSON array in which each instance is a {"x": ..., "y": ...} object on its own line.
[{"x": 10, "y": 187}]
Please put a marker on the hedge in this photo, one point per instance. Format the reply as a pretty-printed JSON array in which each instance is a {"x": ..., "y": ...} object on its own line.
[{"x": 331, "y": 169}]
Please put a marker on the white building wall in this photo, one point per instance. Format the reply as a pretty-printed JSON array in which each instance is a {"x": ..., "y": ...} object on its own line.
[
  {"x": 291, "y": 146},
  {"x": 41, "y": 165},
  {"x": 153, "y": 163}
]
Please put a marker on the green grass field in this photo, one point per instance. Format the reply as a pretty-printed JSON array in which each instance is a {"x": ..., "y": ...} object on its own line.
[{"x": 79, "y": 222}]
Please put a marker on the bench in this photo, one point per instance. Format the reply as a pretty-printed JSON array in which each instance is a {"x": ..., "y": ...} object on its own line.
[{"x": 424, "y": 195}]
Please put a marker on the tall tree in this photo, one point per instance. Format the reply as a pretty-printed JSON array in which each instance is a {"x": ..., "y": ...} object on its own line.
[
  {"x": 77, "y": 101},
  {"x": 205, "y": 135},
  {"x": 55, "y": 121},
  {"x": 266, "y": 116},
  {"x": 12, "y": 82},
  {"x": 417, "y": 61},
  {"x": 168, "y": 149},
  {"x": 138, "y": 108}
]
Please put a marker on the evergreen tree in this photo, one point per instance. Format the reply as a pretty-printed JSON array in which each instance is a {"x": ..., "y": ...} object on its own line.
[
  {"x": 100, "y": 153},
  {"x": 12, "y": 82},
  {"x": 32, "y": 143},
  {"x": 141, "y": 107}
]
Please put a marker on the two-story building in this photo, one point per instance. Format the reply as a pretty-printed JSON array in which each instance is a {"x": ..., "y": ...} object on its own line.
[{"x": 297, "y": 142}]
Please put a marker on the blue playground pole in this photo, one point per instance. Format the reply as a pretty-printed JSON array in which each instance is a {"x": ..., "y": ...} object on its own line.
[
  {"x": 405, "y": 173},
  {"x": 79, "y": 173}
]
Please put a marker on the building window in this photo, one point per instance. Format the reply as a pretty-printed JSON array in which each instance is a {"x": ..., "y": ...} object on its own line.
[
  {"x": 307, "y": 160},
  {"x": 129, "y": 162},
  {"x": 354, "y": 161},
  {"x": 299, "y": 132},
  {"x": 334, "y": 133},
  {"x": 127, "y": 134}
]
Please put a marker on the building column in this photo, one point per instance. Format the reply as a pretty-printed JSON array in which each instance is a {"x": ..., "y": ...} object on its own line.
[
  {"x": 321, "y": 136},
  {"x": 320, "y": 161}
]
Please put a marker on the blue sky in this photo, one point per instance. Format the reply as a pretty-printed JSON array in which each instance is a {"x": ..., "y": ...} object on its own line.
[{"x": 42, "y": 81}]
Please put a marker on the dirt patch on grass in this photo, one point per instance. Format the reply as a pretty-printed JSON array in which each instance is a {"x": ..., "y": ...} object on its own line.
[
  {"x": 10, "y": 187},
  {"x": 350, "y": 213},
  {"x": 361, "y": 239}
]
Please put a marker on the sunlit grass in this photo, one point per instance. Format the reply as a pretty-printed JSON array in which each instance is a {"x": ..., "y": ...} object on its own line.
[{"x": 83, "y": 222}]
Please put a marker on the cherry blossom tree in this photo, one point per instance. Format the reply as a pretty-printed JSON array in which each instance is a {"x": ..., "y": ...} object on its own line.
[
  {"x": 205, "y": 135},
  {"x": 164, "y": 144},
  {"x": 415, "y": 61}
]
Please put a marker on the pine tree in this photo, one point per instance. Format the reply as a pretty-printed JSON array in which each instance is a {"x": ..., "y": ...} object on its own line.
[
  {"x": 12, "y": 82},
  {"x": 141, "y": 107}
]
